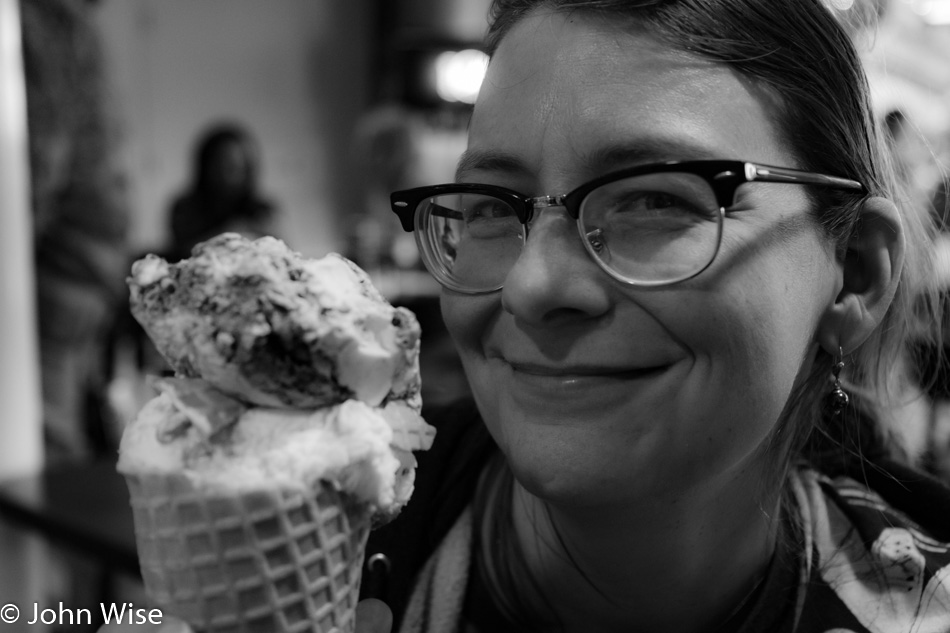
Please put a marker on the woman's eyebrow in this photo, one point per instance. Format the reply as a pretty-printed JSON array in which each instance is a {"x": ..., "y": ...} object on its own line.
[
  {"x": 598, "y": 161},
  {"x": 489, "y": 160}
]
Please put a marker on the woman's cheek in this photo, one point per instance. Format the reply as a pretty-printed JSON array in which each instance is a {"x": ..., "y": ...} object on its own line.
[{"x": 466, "y": 319}]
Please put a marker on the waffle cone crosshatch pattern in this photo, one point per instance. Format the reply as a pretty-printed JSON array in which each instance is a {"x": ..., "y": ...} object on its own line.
[{"x": 261, "y": 561}]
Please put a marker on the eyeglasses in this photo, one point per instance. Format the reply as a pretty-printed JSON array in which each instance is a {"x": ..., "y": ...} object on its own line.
[{"x": 650, "y": 225}]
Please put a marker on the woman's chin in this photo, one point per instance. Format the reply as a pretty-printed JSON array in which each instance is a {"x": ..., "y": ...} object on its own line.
[{"x": 565, "y": 467}]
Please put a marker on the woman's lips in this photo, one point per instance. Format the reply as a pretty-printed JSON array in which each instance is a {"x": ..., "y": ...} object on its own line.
[
  {"x": 581, "y": 371},
  {"x": 556, "y": 393}
]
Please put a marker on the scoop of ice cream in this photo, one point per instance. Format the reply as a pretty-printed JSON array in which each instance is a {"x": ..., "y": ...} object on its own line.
[
  {"x": 351, "y": 445},
  {"x": 261, "y": 322}
]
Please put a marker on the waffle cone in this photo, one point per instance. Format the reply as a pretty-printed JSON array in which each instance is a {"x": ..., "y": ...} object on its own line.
[{"x": 256, "y": 562}]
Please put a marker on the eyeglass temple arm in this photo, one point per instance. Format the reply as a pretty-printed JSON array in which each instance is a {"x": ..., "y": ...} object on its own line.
[
  {"x": 445, "y": 212},
  {"x": 781, "y": 174}
]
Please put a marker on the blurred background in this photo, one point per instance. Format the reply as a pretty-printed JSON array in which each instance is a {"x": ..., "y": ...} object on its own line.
[{"x": 135, "y": 126}]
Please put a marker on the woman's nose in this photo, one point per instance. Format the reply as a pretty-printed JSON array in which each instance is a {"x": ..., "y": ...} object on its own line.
[{"x": 554, "y": 281}]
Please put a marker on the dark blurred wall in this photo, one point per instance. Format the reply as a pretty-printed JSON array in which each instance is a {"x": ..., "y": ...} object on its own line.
[
  {"x": 462, "y": 21},
  {"x": 408, "y": 32}
]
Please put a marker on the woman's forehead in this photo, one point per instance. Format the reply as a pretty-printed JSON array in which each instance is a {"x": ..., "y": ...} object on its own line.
[{"x": 569, "y": 86}]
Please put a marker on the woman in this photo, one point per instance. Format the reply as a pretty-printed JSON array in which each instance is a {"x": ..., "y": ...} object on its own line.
[
  {"x": 224, "y": 193},
  {"x": 671, "y": 461},
  {"x": 662, "y": 358}
]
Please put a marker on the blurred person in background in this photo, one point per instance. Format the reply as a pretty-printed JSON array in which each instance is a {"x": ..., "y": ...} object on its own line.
[
  {"x": 938, "y": 360},
  {"x": 396, "y": 148},
  {"x": 921, "y": 415},
  {"x": 915, "y": 160},
  {"x": 386, "y": 155},
  {"x": 80, "y": 219},
  {"x": 223, "y": 195},
  {"x": 941, "y": 203}
]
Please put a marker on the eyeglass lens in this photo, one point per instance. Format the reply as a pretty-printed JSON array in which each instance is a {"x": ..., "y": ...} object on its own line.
[{"x": 652, "y": 228}]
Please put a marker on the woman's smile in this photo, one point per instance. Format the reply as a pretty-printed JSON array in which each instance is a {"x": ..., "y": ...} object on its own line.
[{"x": 574, "y": 386}]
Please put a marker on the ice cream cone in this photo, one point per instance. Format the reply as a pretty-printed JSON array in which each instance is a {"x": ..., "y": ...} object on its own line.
[
  {"x": 288, "y": 371},
  {"x": 258, "y": 561}
]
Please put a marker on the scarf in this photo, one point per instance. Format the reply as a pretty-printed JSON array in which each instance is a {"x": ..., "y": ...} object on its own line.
[{"x": 897, "y": 583}]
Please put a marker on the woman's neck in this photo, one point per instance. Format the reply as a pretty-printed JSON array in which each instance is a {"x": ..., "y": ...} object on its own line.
[{"x": 681, "y": 565}]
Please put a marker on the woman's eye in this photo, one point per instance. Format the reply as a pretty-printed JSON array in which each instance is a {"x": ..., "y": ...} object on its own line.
[
  {"x": 652, "y": 203},
  {"x": 488, "y": 209}
]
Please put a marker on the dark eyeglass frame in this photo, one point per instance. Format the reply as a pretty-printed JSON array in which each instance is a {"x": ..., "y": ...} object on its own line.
[{"x": 724, "y": 177}]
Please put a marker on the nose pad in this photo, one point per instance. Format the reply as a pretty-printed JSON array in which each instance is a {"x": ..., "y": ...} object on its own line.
[
  {"x": 537, "y": 204},
  {"x": 596, "y": 240}
]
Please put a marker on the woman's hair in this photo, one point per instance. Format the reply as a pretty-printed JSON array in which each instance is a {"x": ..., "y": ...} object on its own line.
[
  {"x": 205, "y": 209},
  {"x": 801, "y": 55},
  {"x": 208, "y": 149}
]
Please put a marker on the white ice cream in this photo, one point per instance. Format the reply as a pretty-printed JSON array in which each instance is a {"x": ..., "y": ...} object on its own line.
[
  {"x": 289, "y": 371},
  {"x": 351, "y": 445}
]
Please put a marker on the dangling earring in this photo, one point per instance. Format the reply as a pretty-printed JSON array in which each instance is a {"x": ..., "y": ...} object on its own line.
[{"x": 839, "y": 399}]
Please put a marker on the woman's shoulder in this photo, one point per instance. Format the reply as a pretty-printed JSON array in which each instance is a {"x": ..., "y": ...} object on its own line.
[{"x": 878, "y": 549}]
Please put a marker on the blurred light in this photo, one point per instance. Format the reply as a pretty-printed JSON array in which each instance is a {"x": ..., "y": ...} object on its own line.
[
  {"x": 459, "y": 74},
  {"x": 935, "y": 11}
]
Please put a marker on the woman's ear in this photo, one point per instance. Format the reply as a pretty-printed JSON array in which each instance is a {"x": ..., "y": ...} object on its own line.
[{"x": 871, "y": 270}]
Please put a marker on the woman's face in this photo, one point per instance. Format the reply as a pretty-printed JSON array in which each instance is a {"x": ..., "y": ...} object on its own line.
[
  {"x": 229, "y": 168},
  {"x": 596, "y": 391}
]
